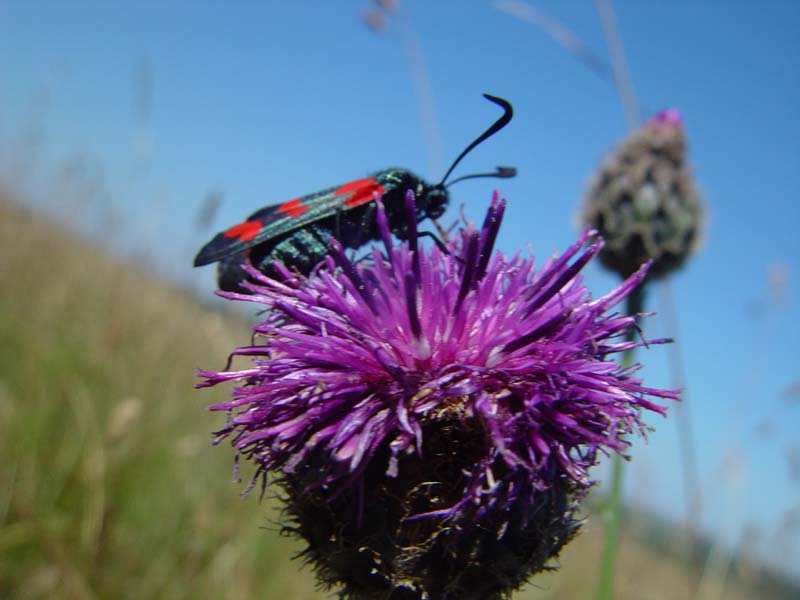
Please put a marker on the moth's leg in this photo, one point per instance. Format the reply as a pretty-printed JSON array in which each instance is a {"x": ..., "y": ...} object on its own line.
[
  {"x": 439, "y": 243},
  {"x": 441, "y": 230}
]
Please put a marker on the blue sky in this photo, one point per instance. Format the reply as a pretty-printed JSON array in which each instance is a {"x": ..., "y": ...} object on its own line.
[{"x": 122, "y": 119}]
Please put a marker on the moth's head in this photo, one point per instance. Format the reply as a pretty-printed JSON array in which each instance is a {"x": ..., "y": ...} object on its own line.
[{"x": 436, "y": 199}]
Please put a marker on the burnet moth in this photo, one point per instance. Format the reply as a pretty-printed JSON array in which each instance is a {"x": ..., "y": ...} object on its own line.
[{"x": 297, "y": 232}]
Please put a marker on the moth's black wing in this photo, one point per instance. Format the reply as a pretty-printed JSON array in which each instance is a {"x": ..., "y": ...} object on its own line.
[{"x": 278, "y": 219}]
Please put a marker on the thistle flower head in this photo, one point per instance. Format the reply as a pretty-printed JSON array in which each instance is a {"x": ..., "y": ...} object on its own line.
[
  {"x": 644, "y": 202},
  {"x": 431, "y": 417}
]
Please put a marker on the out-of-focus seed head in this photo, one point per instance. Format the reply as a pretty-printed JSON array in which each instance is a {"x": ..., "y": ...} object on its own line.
[
  {"x": 644, "y": 202},
  {"x": 431, "y": 417}
]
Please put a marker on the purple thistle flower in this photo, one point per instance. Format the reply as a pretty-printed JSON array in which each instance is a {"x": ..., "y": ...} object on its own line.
[{"x": 432, "y": 417}]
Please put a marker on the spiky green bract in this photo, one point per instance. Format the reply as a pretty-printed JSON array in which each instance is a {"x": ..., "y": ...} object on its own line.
[{"x": 431, "y": 417}]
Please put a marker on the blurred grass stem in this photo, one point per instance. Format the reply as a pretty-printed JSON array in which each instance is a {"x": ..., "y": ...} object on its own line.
[
  {"x": 556, "y": 30},
  {"x": 635, "y": 302},
  {"x": 691, "y": 478},
  {"x": 619, "y": 65},
  {"x": 423, "y": 90},
  {"x": 612, "y": 510}
]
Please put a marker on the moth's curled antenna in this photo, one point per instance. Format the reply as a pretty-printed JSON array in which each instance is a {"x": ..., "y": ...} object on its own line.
[
  {"x": 501, "y": 172},
  {"x": 508, "y": 113}
]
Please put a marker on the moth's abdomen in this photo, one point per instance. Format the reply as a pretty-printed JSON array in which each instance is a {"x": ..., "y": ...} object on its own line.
[{"x": 300, "y": 251}]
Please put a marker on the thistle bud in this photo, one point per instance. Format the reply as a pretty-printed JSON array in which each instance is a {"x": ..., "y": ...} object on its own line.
[{"x": 644, "y": 202}]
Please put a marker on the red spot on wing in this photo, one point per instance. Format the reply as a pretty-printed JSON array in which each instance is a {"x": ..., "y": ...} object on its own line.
[
  {"x": 363, "y": 196},
  {"x": 244, "y": 231},
  {"x": 360, "y": 191},
  {"x": 356, "y": 185},
  {"x": 293, "y": 208}
]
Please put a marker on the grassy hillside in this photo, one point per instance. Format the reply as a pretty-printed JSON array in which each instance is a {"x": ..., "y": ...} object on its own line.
[{"x": 109, "y": 487}]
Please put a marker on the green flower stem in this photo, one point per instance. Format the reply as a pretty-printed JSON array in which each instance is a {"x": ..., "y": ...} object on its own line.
[{"x": 612, "y": 512}]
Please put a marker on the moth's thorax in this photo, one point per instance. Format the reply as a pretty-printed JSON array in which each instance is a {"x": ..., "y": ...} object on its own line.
[{"x": 431, "y": 200}]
